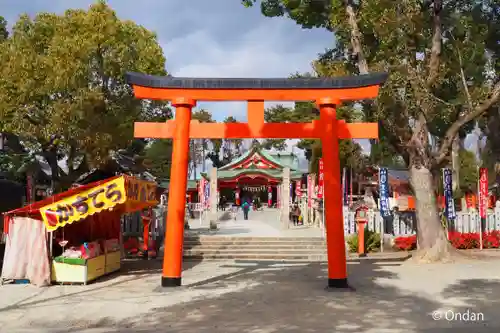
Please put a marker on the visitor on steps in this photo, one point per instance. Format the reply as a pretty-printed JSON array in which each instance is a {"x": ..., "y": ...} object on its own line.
[
  {"x": 295, "y": 214},
  {"x": 246, "y": 209}
]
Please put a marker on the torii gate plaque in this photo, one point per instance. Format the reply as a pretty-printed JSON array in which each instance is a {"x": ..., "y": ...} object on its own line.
[{"x": 185, "y": 92}]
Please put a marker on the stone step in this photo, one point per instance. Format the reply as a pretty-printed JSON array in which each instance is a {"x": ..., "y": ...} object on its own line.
[
  {"x": 254, "y": 246},
  {"x": 256, "y": 242},
  {"x": 391, "y": 257},
  {"x": 259, "y": 257},
  {"x": 251, "y": 239},
  {"x": 252, "y": 251}
]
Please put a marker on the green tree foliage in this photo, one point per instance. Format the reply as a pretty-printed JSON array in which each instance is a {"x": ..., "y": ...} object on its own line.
[
  {"x": 158, "y": 158},
  {"x": 350, "y": 152},
  {"x": 198, "y": 148},
  {"x": 62, "y": 87},
  {"x": 4, "y": 33},
  {"x": 225, "y": 150},
  {"x": 469, "y": 172},
  {"x": 442, "y": 57}
]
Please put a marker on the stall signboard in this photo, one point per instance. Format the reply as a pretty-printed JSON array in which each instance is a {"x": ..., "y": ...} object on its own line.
[
  {"x": 102, "y": 197},
  {"x": 140, "y": 191}
]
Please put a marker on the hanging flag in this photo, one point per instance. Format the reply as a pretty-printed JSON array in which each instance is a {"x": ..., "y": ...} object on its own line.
[
  {"x": 383, "y": 180},
  {"x": 298, "y": 188},
  {"x": 269, "y": 196},
  {"x": 207, "y": 194},
  {"x": 321, "y": 179},
  {"x": 448, "y": 194},
  {"x": 483, "y": 192},
  {"x": 237, "y": 196},
  {"x": 201, "y": 191}
]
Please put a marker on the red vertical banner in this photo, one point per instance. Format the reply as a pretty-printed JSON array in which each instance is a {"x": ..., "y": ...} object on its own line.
[
  {"x": 237, "y": 196},
  {"x": 483, "y": 192},
  {"x": 269, "y": 196},
  {"x": 298, "y": 188},
  {"x": 321, "y": 179}
]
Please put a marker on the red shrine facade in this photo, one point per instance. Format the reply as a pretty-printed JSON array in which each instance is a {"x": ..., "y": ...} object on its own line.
[{"x": 257, "y": 173}]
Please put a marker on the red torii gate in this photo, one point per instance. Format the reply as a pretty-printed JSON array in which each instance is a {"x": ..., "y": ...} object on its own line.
[{"x": 327, "y": 93}]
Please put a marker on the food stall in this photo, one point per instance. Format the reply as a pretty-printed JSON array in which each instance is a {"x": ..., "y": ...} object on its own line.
[{"x": 75, "y": 236}]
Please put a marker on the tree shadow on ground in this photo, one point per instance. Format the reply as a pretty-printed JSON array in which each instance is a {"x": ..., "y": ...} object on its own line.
[{"x": 294, "y": 299}]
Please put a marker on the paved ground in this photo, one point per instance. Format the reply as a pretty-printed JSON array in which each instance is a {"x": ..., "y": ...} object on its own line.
[
  {"x": 260, "y": 223},
  {"x": 247, "y": 297}
]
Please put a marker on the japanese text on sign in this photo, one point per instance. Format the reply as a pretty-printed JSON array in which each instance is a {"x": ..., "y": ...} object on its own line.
[
  {"x": 448, "y": 194},
  {"x": 384, "y": 193},
  {"x": 483, "y": 192},
  {"x": 81, "y": 205},
  {"x": 140, "y": 190},
  {"x": 321, "y": 179}
]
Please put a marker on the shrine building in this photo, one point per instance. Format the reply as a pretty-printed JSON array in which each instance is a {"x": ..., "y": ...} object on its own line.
[{"x": 257, "y": 173}]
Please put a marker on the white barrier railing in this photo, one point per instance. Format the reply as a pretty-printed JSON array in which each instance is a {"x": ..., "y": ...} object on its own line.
[
  {"x": 404, "y": 223},
  {"x": 400, "y": 224}
]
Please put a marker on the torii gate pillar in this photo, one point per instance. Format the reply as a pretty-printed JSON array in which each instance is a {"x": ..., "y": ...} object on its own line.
[
  {"x": 334, "y": 221},
  {"x": 327, "y": 93}
]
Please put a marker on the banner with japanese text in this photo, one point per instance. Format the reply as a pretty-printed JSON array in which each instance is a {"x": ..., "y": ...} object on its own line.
[
  {"x": 206, "y": 191},
  {"x": 383, "y": 179},
  {"x": 483, "y": 192},
  {"x": 298, "y": 189},
  {"x": 321, "y": 179},
  {"x": 448, "y": 194},
  {"x": 201, "y": 191}
]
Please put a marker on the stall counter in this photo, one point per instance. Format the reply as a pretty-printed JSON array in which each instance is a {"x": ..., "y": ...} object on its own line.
[{"x": 78, "y": 270}]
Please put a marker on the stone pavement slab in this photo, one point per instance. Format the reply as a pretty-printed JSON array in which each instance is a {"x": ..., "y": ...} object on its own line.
[
  {"x": 252, "y": 297},
  {"x": 260, "y": 224}
]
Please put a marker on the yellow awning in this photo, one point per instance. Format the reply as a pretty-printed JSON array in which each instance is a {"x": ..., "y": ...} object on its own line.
[{"x": 124, "y": 192}]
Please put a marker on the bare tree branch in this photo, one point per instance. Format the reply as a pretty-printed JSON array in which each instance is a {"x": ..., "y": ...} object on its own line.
[{"x": 464, "y": 119}]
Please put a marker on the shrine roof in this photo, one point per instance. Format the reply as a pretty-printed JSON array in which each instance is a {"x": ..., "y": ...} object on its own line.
[
  {"x": 153, "y": 81},
  {"x": 273, "y": 160},
  {"x": 228, "y": 175}
]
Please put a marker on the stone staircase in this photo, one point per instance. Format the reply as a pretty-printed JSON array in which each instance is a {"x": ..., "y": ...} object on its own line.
[{"x": 255, "y": 248}]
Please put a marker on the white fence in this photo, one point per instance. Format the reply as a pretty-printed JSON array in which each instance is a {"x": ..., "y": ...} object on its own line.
[
  {"x": 132, "y": 225},
  {"x": 400, "y": 224},
  {"x": 404, "y": 223}
]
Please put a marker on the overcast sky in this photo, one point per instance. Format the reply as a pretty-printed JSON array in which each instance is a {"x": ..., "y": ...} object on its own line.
[{"x": 203, "y": 38}]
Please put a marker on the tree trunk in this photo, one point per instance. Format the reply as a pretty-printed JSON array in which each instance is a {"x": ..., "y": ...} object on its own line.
[
  {"x": 433, "y": 245},
  {"x": 356, "y": 42}
]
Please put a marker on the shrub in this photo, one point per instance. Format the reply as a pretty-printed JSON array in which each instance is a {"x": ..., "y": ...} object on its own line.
[
  {"x": 459, "y": 240},
  {"x": 372, "y": 242},
  {"x": 405, "y": 243}
]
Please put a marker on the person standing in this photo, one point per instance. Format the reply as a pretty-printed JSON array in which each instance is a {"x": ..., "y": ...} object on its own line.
[
  {"x": 246, "y": 209},
  {"x": 295, "y": 214}
]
